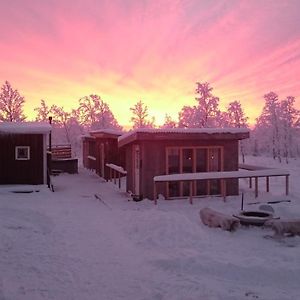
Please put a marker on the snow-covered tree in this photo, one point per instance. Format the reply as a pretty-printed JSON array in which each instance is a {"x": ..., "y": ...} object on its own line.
[
  {"x": 140, "y": 116},
  {"x": 188, "y": 117},
  {"x": 169, "y": 122},
  {"x": 11, "y": 104},
  {"x": 60, "y": 120},
  {"x": 236, "y": 118},
  {"x": 289, "y": 117},
  {"x": 96, "y": 114},
  {"x": 206, "y": 113},
  {"x": 268, "y": 124},
  {"x": 43, "y": 112},
  {"x": 208, "y": 105}
]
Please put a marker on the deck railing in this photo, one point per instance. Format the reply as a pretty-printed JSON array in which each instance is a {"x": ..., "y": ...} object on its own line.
[{"x": 116, "y": 172}]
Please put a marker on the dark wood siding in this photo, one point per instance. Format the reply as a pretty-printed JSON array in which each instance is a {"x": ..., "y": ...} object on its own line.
[
  {"x": 129, "y": 168},
  {"x": 153, "y": 162},
  {"x": 14, "y": 171}
]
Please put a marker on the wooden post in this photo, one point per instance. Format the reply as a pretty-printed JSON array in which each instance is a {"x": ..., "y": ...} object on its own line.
[
  {"x": 191, "y": 192},
  {"x": 287, "y": 184},
  {"x": 114, "y": 176},
  {"x": 256, "y": 187},
  {"x": 267, "y": 184},
  {"x": 250, "y": 182},
  {"x": 110, "y": 174},
  {"x": 119, "y": 180},
  {"x": 223, "y": 189},
  {"x": 154, "y": 193}
]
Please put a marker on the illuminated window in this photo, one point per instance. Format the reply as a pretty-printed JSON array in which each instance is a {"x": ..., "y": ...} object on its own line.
[{"x": 22, "y": 153}]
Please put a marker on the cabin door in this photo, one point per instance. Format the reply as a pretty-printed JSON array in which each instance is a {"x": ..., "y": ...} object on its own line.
[
  {"x": 102, "y": 166},
  {"x": 136, "y": 171}
]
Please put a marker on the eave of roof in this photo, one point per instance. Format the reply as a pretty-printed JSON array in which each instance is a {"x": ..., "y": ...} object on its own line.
[
  {"x": 183, "y": 134},
  {"x": 24, "y": 128}
]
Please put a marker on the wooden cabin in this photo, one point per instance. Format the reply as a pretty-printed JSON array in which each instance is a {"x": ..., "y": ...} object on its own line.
[
  {"x": 23, "y": 152},
  {"x": 100, "y": 147},
  {"x": 154, "y": 152}
]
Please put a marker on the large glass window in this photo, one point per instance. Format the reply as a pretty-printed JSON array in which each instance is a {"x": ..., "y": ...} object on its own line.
[
  {"x": 190, "y": 160},
  {"x": 173, "y": 161},
  {"x": 187, "y": 161}
]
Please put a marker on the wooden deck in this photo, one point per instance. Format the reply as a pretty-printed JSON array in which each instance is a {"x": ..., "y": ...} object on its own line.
[{"x": 223, "y": 176}]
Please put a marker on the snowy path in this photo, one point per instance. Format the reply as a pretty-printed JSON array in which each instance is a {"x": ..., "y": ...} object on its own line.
[{"x": 69, "y": 245}]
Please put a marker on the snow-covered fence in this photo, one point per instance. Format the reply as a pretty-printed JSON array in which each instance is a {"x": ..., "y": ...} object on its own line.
[
  {"x": 114, "y": 172},
  {"x": 61, "y": 151}
]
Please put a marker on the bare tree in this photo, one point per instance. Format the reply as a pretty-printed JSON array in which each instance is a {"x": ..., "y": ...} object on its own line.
[
  {"x": 60, "y": 119},
  {"x": 140, "y": 118},
  {"x": 11, "y": 104},
  {"x": 43, "y": 111},
  {"x": 169, "y": 122},
  {"x": 96, "y": 114}
]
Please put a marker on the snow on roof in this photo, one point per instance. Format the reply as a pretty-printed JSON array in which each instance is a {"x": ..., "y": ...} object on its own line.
[
  {"x": 25, "y": 127},
  {"x": 108, "y": 131},
  {"x": 185, "y": 131},
  {"x": 220, "y": 175}
]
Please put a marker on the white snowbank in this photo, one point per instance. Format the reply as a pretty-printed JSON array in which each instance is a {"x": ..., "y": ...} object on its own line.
[{"x": 71, "y": 245}]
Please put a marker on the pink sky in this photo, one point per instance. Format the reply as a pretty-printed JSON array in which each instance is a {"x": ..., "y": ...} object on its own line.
[{"x": 127, "y": 50}]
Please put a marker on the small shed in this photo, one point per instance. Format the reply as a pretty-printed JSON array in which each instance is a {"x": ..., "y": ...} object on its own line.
[
  {"x": 154, "y": 152},
  {"x": 23, "y": 152},
  {"x": 100, "y": 147}
]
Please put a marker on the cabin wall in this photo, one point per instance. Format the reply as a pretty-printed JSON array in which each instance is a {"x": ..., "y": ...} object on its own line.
[
  {"x": 129, "y": 167},
  {"x": 14, "y": 171},
  {"x": 153, "y": 157},
  {"x": 231, "y": 163},
  {"x": 153, "y": 162}
]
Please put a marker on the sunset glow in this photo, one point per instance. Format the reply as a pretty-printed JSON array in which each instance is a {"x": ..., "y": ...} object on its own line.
[{"x": 128, "y": 50}]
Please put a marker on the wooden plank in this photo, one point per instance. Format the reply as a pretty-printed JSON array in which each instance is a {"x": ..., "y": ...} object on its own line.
[
  {"x": 256, "y": 187},
  {"x": 154, "y": 194},
  {"x": 267, "y": 184},
  {"x": 191, "y": 192},
  {"x": 223, "y": 189}
]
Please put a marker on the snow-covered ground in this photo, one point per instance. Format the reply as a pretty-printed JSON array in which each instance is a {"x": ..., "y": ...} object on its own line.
[{"x": 71, "y": 245}]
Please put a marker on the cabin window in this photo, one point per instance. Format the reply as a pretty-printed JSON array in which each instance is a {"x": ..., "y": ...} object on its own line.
[
  {"x": 22, "y": 152},
  {"x": 191, "y": 160}
]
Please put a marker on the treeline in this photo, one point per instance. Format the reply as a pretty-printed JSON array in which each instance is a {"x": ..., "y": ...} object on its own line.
[{"x": 275, "y": 133}]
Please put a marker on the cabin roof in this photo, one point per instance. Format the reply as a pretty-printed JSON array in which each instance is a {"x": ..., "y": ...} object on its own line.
[
  {"x": 106, "y": 133},
  {"x": 25, "y": 127},
  {"x": 183, "y": 134}
]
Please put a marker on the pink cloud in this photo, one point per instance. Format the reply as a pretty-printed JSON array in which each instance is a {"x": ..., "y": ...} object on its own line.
[{"x": 153, "y": 50}]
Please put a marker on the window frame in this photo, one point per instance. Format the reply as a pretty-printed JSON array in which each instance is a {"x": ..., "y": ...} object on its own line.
[
  {"x": 208, "y": 163},
  {"x": 17, "y": 148}
]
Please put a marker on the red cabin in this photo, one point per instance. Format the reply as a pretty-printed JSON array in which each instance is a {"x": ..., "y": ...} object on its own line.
[
  {"x": 101, "y": 148},
  {"x": 153, "y": 152},
  {"x": 23, "y": 152}
]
